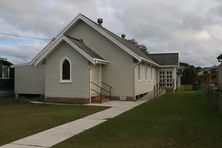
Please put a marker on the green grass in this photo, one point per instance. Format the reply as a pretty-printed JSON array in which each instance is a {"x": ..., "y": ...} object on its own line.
[
  {"x": 185, "y": 88},
  {"x": 20, "y": 119},
  {"x": 184, "y": 119}
]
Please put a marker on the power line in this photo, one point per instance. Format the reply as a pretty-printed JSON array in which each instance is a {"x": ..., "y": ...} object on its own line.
[{"x": 25, "y": 37}]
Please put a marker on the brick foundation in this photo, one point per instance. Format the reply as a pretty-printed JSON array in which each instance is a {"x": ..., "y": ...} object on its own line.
[
  {"x": 67, "y": 100},
  {"x": 99, "y": 99},
  {"x": 128, "y": 98},
  {"x": 114, "y": 98},
  {"x": 95, "y": 99}
]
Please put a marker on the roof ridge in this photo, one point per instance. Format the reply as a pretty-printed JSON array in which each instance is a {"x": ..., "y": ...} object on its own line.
[
  {"x": 134, "y": 48},
  {"x": 164, "y": 53},
  {"x": 165, "y": 58}
]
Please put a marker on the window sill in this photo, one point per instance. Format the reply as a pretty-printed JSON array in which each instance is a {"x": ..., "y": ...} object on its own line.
[
  {"x": 65, "y": 81},
  {"x": 5, "y": 78}
]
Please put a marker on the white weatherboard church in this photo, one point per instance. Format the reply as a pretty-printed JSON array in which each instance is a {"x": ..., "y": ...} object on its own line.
[{"x": 88, "y": 63}]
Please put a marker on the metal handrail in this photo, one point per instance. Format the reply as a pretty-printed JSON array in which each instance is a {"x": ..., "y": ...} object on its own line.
[
  {"x": 101, "y": 88},
  {"x": 158, "y": 88},
  {"x": 106, "y": 84},
  {"x": 110, "y": 88},
  {"x": 96, "y": 91}
]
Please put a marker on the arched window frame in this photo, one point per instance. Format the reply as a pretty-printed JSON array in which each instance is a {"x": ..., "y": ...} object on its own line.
[{"x": 61, "y": 72}]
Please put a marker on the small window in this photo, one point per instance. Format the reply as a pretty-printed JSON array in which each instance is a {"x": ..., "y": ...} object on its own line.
[
  {"x": 146, "y": 73},
  {"x": 5, "y": 72},
  {"x": 151, "y": 73},
  {"x": 139, "y": 73},
  {"x": 65, "y": 70}
]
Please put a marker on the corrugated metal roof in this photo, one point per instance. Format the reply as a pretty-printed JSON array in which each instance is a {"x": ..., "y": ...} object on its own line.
[
  {"x": 165, "y": 58},
  {"x": 85, "y": 48},
  {"x": 133, "y": 48}
]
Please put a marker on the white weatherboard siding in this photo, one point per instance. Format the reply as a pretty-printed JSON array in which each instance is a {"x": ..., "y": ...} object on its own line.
[
  {"x": 95, "y": 77},
  {"x": 79, "y": 87},
  {"x": 143, "y": 86},
  {"x": 29, "y": 79},
  {"x": 119, "y": 72}
]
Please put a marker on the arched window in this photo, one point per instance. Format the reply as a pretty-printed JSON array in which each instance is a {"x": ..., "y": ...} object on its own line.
[{"x": 65, "y": 70}]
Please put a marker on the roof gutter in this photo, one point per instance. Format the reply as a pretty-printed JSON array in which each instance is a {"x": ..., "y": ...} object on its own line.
[
  {"x": 18, "y": 65},
  {"x": 165, "y": 66},
  {"x": 150, "y": 62},
  {"x": 100, "y": 61}
]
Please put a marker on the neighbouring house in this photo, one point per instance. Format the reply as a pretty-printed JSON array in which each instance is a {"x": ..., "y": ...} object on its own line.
[
  {"x": 209, "y": 75},
  {"x": 88, "y": 63},
  {"x": 219, "y": 58},
  {"x": 6, "y": 77}
]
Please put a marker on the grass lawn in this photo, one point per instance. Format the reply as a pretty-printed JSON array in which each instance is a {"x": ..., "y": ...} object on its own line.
[
  {"x": 20, "y": 119},
  {"x": 184, "y": 119}
]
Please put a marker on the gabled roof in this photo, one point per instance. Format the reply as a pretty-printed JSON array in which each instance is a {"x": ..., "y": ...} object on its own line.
[
  {"x": 80, "y": 43},
  {"x": 4, "y": 61},
  {"x": 130, "y": 49},
  {"x": 164, "y": 59},
  {"x": 79, "y": 46},
  {"x": 219, "y": 58}
]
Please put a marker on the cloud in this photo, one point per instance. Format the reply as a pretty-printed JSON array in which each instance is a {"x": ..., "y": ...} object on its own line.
[
  {"x": 19, "y": 53},
  {"x": 187, "y": 27},
  {"x": 192, "y": 27}
]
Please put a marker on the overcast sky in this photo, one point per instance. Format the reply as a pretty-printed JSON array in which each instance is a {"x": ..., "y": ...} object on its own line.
[{"x": 191, "y": 27}]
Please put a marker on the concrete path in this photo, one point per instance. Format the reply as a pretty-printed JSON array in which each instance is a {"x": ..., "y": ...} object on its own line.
[{"x": 60, "y": 133}]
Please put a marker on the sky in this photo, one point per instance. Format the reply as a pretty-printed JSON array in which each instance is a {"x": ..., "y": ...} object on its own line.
[{"x": 191, "y": 27}]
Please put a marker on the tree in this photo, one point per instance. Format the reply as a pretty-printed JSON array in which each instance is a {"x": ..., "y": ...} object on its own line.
[
  {"x": 142, "y": 47},
  {"x": 189, "y": 73}
]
